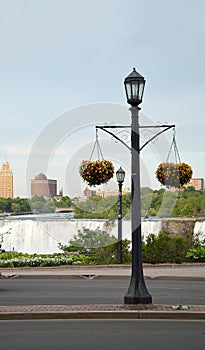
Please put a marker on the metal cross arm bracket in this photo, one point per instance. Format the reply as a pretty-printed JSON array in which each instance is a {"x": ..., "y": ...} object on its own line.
[{"x": 115, "y": 135}]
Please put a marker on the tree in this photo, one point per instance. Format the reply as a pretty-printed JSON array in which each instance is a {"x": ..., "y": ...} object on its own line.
[
  {"x": 49, "y": 207},
  {"x": 89, "y": 239},
  {"x": 23, "y": 203},
  {"x": 188, "y": 210},
  {"x": 97, "y": 207},
  {"x": 15, "y": 207},
  {"x": 65, "y": 202},
  {"x": 37, "y": 203},
  {"x": 8, "y": 205},
  {"x": 3, "y": 202},
  {"x": 99, "y": 245}
]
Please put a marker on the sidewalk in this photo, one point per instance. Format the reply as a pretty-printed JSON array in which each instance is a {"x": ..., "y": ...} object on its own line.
[
  {"x": 166, "y": 271},
  {"x": 33, "y": 312},
  {"x": 160, "y": 271}
]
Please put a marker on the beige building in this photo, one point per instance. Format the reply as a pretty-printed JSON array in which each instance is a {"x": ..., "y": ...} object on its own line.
[
  {"x": 89, "y": 193},
  {"x": 102, "y": 193},
  {"x": 105, "y": 194},
  {"x": 41, "y": 186},
  {"x": 197, "y": 183},
  {"x": 6, "y": 181}
]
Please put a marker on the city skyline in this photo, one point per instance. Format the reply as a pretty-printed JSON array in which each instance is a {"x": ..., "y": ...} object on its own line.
[
  {"x": 61, "y": 58},
  {"x": 48, "y": 188}
]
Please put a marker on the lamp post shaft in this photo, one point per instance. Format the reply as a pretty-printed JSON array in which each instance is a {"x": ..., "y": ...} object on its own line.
[
  {"x": 137, "y": 291},
  {"x": 119, "y": 243}
]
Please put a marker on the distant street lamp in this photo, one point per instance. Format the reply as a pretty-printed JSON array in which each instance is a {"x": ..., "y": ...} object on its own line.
[
  {"x": 120, "y": 174},
  {"x": 137, "y": 292}
]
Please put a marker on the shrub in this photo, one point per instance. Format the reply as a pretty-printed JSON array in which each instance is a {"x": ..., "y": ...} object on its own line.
[
  {"x": 108, "y": 254},
  {"x": 196, "y": 255},
  {"x": 165, "y": 248}
]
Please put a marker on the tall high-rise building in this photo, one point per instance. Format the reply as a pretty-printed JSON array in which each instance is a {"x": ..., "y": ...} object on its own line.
[
  {"x": 6, "y": 181},
  {"x": 41, "y": 186}
]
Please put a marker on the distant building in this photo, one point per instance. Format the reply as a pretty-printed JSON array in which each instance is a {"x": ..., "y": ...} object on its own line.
[
  {"x": 102, "y": 193},
  {"x": 105, "y": 194},
  {"x": 41, "y": 186},
  {"x": 197, "y": 183},
  {"x": 6, "y": 181},
  {"x": 89, "y": 193}
]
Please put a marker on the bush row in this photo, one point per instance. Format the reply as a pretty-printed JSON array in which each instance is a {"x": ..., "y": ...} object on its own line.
[
  {"x": 167, "y": 249},
  {"x": 172, "y": 249},
  {"x": 156, "y": 249}
]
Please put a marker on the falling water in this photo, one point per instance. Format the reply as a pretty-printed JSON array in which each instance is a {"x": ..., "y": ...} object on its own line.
[
  {"x": 42, "y": 233},
  {"x": 199, "y": 230}
]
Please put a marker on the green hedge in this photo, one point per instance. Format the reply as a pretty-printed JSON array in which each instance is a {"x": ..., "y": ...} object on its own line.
[{"x": 166, "y": 249}]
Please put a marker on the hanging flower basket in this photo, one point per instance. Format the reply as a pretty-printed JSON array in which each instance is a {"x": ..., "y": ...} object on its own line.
[
  {"x": 96, "y": 172},
  {"x": 185, "y": 173},
  {"x": 174, "y": 175}
]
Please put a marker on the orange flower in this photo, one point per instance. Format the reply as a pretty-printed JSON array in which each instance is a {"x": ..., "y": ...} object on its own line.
[
  {"x": 174, "y": 175},
  {"x": 96, "y": 173}
]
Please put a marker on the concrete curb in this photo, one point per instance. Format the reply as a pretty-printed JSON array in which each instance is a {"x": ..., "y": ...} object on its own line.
[
  {"x": 100, "y": 312},
  {"x": 110, "y": 266},
  {"x": 91, "y": 276}
]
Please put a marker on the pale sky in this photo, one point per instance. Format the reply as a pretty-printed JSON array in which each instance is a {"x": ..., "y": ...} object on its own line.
[{"x": 61, "y": 55}]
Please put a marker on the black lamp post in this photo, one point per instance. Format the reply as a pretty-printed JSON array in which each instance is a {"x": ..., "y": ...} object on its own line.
[
  {"x": 137, "y": 292},
  {"x": 120, "y": 174}
]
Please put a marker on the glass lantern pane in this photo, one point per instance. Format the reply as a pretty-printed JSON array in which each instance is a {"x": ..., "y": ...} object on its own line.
[
  {"x": 141, "y": 89},
  {"x": 135, "y": 90},
  {"x": 120, "y": 174},
  {"x": 119, "y": 177},
  {"x": 128, "y": 91}
]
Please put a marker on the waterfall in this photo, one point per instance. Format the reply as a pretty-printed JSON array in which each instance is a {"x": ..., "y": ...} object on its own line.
[
  {"x": 150, "y": 226},
  {"x": 199, "y": 230},
  {"x": 41, "y": 234}
]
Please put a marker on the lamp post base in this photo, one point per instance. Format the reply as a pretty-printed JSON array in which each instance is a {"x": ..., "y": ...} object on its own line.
[{"x": 128, "y": 299}]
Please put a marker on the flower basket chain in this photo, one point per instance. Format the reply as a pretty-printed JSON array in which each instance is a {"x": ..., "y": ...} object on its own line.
[
  {"x": 96, "y": 172},
  {"x": 175, "y": 174}
]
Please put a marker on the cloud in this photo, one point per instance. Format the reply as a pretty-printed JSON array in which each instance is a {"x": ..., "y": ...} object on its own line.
[{"x": 15, "y": 150}]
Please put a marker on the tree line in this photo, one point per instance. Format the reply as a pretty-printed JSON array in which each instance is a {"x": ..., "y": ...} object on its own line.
[
  {"x": 37, "y": 204},
  {"x": 162, "y": 203}
]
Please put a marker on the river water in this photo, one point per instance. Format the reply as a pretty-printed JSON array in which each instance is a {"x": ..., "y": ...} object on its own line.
[{"x": 42, "y": 233}]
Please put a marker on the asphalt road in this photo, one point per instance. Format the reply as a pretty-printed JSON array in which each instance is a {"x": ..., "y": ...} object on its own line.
[
  {"x": 109, "y": 335},
  {"x": 96, "y": 291}
]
